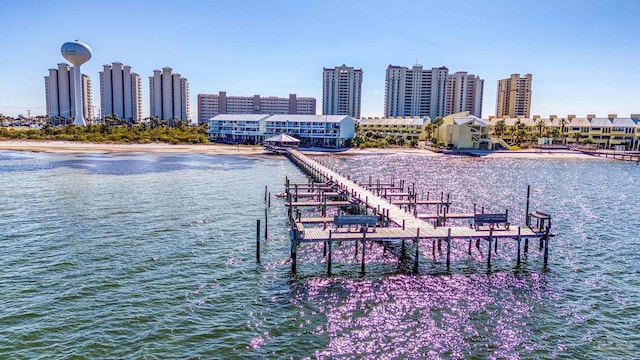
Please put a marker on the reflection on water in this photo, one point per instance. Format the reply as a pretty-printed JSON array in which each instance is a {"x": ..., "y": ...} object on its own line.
[{"x": 153, "y": 255}]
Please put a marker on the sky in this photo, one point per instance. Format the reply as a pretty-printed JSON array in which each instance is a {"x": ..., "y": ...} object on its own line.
[{"x": 584, "y": 55}]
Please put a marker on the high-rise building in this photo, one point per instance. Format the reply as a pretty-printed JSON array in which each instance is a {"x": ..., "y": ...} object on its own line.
[
  {"x": 168, "y": 95},
  {"x": 415, "y": 92},
  {"x": 464, "y": 93},
  {"x": 514, "y": 96},
  {"x": 210, "y": 105},
  {"x": 59, "y": 91},
  {"x": 342, "y": 91},
  {"x": 120, "y": 92}
]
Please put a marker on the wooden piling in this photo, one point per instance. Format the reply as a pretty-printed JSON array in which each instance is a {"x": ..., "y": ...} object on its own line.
[
  {"x": 329, "y": 255},
  {"x": 526, "y": 212},
  {"x": 546, "y": 247},
  {"x": 294, "y": 251},
  {"x": 489, "y": 252},
  {"x": 415, "y": 263},
  {"x": 266, "y": 226},
  {"x": 258, "y": 241},
  {"x": 518, "y": 239},
  {"x": 265, "y": 193},
  {"x": 448, "y": 248},
  {"x": 364, "y": 246}
]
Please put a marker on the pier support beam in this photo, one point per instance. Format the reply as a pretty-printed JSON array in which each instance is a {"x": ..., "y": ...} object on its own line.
[
  {"x": 266, "y": 226},
  {"x": 329, "y": 255},
  {"x": 546, "y": 248},
  {"x": 415, "y": 263},
  {"x": 258, "y": 241},
  {"x": 526, "y": 215},
  {"x": 489, "y": 250},
  {"x": 364, "y": 245},
  {"x": 518, "y": 239},
  {"x": 294, "y": 252},
  {"x": 448, "y": 248}
]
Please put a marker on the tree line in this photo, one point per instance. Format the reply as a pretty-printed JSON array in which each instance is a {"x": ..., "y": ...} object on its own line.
[{"x": 142, "y": 133}]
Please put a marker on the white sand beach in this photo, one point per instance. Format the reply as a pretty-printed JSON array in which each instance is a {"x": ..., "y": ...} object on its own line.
[{"x": 83, "y": 147}]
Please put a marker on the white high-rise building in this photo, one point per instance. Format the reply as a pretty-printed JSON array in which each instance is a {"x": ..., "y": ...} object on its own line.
[
  {"x": 342, "y": 91},
  {"x": 464, "y": 93},
  {"x": 415, "y": 92},
  {"x": 59, "y": 93},
  {"x": 120, "y": 92},
  {"x": 168, "y": 95}
]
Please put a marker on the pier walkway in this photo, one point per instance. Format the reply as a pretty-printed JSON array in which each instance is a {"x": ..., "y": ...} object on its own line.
[{"x": 401, "y": 225}]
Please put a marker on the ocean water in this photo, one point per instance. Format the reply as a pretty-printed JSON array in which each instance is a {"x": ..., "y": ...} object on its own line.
[{"x": 152, "y": 256}]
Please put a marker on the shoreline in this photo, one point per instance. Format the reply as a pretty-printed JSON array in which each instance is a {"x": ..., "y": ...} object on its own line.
[{"x": 51, "y": 146}]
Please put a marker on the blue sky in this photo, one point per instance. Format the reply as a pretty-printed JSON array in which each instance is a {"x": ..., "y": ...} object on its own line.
[{"x": 584, "y": 55}]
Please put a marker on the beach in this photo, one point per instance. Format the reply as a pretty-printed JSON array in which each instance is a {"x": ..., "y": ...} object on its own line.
[{"x": 223, "y": 149}]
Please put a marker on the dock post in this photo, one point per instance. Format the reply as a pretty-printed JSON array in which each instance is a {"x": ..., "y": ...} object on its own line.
[
  {"x": 489, "y": 255},
  {"x": 526, "y": 245},
  {"x": 495, "y": 246},
  {"x": 469, "y": 251},
  {"x": 526, "y": 215},
  {"x": 269, "y": 200},
  {"x": 294, "y": 251},
  {"x": 265, "y": 193},
  {"x": 324, "y": 206},
  {"x": 266, "y": 226},
  {"x": 546, "y": 247},
  {"x": 519, "y": 238},
  {"x": 364, "y": 246},
  {"x": 329, "y": 256},
  {"x": 415, "y": 263},
  {"x": 258, "y": 241},
  {"x": 403, "y": 220},
  {"x": 448, "y": 248},
  {"x": 356, "y": 248},
  {"x": 324, "y": 248}
]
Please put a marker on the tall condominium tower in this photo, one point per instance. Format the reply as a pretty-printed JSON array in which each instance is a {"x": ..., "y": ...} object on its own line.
[
  {"x": 59, "y": 90},
  {"x": 415, "y": 92},
  {"x": 210, "y": 105},
  {"x": 464, "y": 93},
  {"x": 168, "y": 95},
  {"x": 120, "y": 92},
  {"x": 514, "y": 96},
  {"x": 342, "y": 91}
]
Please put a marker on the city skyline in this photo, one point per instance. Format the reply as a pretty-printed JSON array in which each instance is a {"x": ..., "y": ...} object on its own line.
[{"x": 583, "y": 55}]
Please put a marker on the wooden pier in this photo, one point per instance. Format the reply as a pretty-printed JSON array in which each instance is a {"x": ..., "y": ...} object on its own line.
[{"x": 384, "y": 202}]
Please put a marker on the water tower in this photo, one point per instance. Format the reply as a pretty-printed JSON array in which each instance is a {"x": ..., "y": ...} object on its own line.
[{"x": 77, "y": 53}]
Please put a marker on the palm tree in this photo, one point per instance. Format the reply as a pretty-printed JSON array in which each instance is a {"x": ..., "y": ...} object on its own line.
[
  {"x": 540, "y": 124},
  {"x": 519, "y": 131},
  {"x": 437, "y": 123},
  {"x": 553, "y": 132},
  {"x": 563, "y": 123},
  {"x": 577, "y": 136},
  {"x": 500, "y": 127}
]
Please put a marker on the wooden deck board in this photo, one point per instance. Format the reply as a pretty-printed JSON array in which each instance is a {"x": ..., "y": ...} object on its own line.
[{"x": 381, "y": 234}]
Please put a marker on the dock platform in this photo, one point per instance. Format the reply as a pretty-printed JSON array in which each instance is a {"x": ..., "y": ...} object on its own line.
[{"x": 394, "y": 223}]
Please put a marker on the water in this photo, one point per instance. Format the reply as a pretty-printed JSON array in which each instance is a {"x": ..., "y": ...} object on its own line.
[{"x": 153, "y": 256}]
